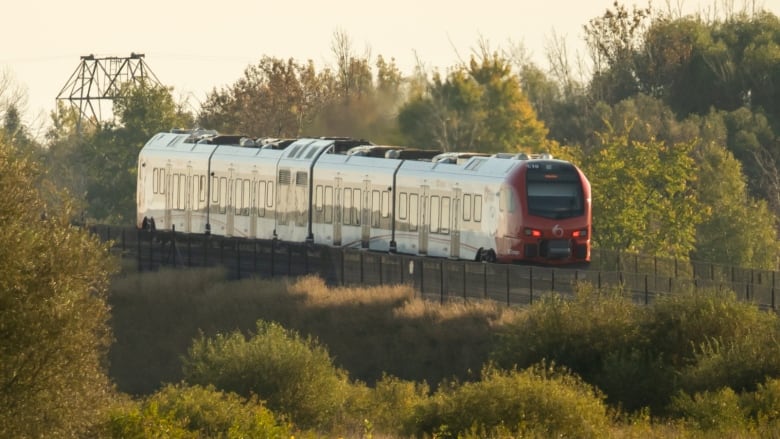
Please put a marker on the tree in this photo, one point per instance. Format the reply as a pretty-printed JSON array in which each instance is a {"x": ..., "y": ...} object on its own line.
[
  {"x": 613, "y": 40},
  {"x": 739, "y": 230},
  {"x": 477, "y": 108},
  {"x": 274, "y": 98},
  {"x": 109, "y": 156},
  {"x": 53, "y": 312},
  {"x": 643, "y": 195}
]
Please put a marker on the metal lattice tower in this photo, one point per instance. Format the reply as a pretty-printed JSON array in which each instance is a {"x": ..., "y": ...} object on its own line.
[{"x": 100, "y": 79}]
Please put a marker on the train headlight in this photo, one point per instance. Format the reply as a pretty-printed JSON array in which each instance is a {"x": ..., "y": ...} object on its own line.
[
  {"x": 582, "y": 233},
  {"x": 533, "y": 233}
]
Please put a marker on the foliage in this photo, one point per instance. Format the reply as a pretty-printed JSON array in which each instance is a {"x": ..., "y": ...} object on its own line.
[
  {"x": 194, "y": 411},
  {"x": 711, "y": 411},
  {"x": 479, "y": 108},
  {"x": 53, "y": 312},
  {"x": 738, "y": 229},
  {"x": 394, "y": 403},
  {"x": 643, "y": 195},
  {"x": 99, "y": 163},
  {"x": 294, "y": 375},
  {"x": 574, "y": 333},
  {"x": 539, "y": 401}
]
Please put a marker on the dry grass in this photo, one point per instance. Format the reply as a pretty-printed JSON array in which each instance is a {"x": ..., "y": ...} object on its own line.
[{"x": 369, "y": 331}]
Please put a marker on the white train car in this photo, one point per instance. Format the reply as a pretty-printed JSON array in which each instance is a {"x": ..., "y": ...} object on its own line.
[{"x": 491, "y": 208}]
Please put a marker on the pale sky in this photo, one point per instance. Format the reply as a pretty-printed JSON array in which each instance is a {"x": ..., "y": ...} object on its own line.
[{"x": 195, "y": 46}]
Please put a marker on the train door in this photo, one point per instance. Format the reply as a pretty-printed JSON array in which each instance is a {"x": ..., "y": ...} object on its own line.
[
  {"x": 230, "y": 204},
  {"x": 455, "y": 216},
  {"x": 285, "y": 203},
  {"x": 167, "y": 221},
  {"x": 188, "y": 194},
  {"x": 424, "y": 220},
  {"x": 337, "y": 206},
  {"x": 365, "y": 215},
  {"x": 254, "y": 197}
]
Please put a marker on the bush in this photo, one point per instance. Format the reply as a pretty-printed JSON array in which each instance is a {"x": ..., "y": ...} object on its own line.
[
  {"x": 195, "y": 412},
  {"x": 576, "y": 333},
  {"x": 539, "y": 401},
  {"x": 295, "y": 376},
  {"x": 680, "y": 323},
  {"x": 394, "y": 404},
  {"x": 718, "y": 411}
]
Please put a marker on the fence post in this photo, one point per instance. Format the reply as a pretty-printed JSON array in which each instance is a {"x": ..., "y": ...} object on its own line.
[
  {"x": 273, "y": 257},
  {"x": 646, "y": 292},
  {"x": 463, "y": 264},
  {"x": 530, "y": 285},
  {"x": 441, "y": 282},
  {"x": 507, "y": 285},
  {"x": 238, "y": 260},
  {"x": 151, "y": 250},
  {"x": 484, "y": 280},
  {"x": 552, "y": 279},
  {"x": 773, "y": 291},
  {"x": 138, "y": 244}
]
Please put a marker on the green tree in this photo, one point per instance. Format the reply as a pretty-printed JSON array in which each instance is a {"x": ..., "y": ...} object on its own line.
[
  {"x": 53, "y": 312},
  {"x": 643, "y": 195},
  {"x": 613, "y": 40},
  {"x": 739, "y": 230},
  {"x": 109, "y": 155},
  {"x": 476, "y": 108}
]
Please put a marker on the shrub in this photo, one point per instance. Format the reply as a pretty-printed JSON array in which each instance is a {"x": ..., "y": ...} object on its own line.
[
  {"x": 718, "y": 411},
  {"x": 680, "y": 323},
  {"x": 577, "y": 333},
  {"x": 394, "y": 404},
  {"x": 294, "y": 375},
  {"x": 539, "y": 401},
  {"x": 197, "y": 412}
]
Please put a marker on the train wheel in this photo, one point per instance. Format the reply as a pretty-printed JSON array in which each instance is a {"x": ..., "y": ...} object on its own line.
[{"x": 487, "y": 256}]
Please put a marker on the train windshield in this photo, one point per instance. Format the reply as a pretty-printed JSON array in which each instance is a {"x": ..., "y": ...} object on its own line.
[{"x": 554, "y": 191}]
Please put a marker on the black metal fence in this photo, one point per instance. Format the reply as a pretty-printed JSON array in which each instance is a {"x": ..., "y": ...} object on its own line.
[{"x": 434, "y": 278}]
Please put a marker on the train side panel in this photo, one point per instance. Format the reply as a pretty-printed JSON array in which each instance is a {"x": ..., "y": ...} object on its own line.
[
  {"x": 171, "y": 184},
  {"x": 352, "y": 201}
]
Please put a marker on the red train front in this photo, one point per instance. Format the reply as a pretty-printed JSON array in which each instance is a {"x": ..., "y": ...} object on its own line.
[{"x": 545, "y": 214}]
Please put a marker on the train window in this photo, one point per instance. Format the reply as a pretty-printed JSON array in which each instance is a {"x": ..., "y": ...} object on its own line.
[
  {"x": 435, "y": 213},
  {"x": 183, "y": 191},
  {"x": 155, "y": 181},
  {"x": 467, "y": 207},
  {"x": 269, "y": 199},
  {"x": 161, "y": 184},
  {"x": 477, "y": 208},
  {"x": 318, "y": 198},
  {"x": 284, "y": 176},
  {"x": 356, "y": 204},
  {"x": 202, "y": 194},
  {"x": 506, "y": 200},
  {"x": 375, "y": 208},
  {"x": 261, "y": 198},
  {"x": 385, "y": 204},
  {"x": 347, "y": 206},
  {"x": 245, "y": 197},
  {"x": 413, "y": 212},
  {"x": 328, "y": 204},
  {"x": 223, "y": 192},
  {"x": 175, "y": 192},
  {"x": 214, "y": 190},
  {"x": 445, "y": 215},
  {"x": 238, "y": 196},
  {"x": 402, "y": 205}
]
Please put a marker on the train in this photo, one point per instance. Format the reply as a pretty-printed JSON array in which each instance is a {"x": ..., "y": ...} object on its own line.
[{"x": 504, "y": 208}]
